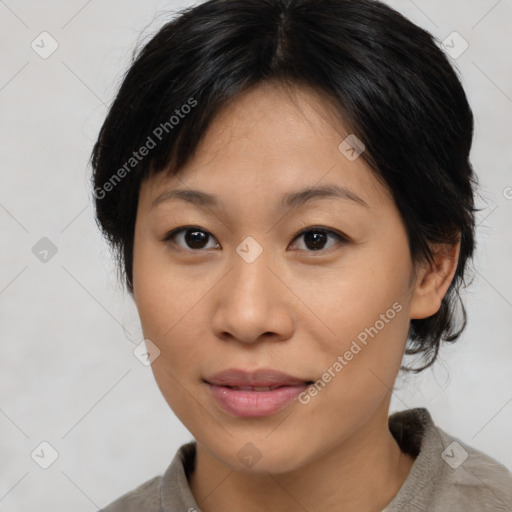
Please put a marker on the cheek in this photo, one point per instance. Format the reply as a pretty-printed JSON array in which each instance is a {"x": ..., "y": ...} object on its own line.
[
  {"x": 170, "y": 302},
  {"x": 355, "y": 296},
  {"x": 365, "y": 306},
  {"x": 169, "y": 312},
  {"x": 360, "y": 361},
  {"x": 156, "y": 285}
]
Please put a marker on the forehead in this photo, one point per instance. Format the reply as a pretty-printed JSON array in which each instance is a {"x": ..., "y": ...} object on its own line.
[{"x": 270, "y": 141}]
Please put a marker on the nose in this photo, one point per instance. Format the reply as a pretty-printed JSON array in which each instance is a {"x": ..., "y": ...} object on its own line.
[{"x": 253, "y": 303}]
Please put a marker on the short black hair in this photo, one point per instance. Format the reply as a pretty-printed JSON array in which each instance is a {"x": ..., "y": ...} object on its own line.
[{"x": 388, "y": 80}]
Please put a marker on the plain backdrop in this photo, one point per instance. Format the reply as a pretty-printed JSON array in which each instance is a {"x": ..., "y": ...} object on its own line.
[{"x": 69, "y": 378}]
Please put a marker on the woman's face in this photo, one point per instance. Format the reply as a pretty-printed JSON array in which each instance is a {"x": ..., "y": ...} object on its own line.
[{"x": 243, "y": 289}]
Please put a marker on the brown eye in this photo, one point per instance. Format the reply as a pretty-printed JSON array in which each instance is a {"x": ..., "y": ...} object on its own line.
[
  {"x": 315, "y": 239},
  {"x": 189, "y": 237},
  {"x": 195, "y": 239}
]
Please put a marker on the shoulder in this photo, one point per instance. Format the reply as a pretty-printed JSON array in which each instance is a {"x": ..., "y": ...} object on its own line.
[
  {"x": 473, "y": 477},
  {"x": 447, "y": 473},
  {"x": 167, "y": 492},
  {"x": 144, "y": 498}
]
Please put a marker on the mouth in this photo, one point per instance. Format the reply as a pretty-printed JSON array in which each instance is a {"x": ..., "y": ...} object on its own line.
[
  {"x": 254, "y": 379},
  {"x": 255, "y": 401},
  {"x": 263, "y": 388},
  {"x": 250, "y": 393}
]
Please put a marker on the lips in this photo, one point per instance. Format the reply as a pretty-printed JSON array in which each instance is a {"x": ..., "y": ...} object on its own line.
[
  {"x": 258, "y": 380},
  {"x": 258, "y": 393},
  {"x": 254, "y": 388}
]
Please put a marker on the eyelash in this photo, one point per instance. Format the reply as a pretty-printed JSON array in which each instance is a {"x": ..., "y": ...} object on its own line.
[{"x": 168, "y": 239}]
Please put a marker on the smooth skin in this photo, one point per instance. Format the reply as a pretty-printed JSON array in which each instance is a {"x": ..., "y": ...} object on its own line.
[{"x": 293, "y": 309}]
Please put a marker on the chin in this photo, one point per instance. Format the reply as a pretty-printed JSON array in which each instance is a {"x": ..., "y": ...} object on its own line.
[{"x": 260, "y": 457}]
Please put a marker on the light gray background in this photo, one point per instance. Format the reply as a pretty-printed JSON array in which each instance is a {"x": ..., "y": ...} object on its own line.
[{"x": 68, "y": 373}]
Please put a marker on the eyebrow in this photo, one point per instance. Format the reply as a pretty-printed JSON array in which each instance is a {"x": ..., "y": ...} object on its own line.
[{"x": 288, "y": 201}]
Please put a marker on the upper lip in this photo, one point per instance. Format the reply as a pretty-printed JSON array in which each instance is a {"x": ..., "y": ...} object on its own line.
[{"x": 263, "y": 377}]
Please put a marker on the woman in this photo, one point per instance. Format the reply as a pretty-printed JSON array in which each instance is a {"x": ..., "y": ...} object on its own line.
[{"x": 286, "y": 185}]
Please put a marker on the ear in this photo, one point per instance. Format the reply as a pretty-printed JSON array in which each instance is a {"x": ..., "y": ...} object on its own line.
[{"x": 433, "y": 280}]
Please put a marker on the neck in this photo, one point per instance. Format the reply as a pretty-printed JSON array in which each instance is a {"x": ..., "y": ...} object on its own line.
[{"x": 363, "y": 473}]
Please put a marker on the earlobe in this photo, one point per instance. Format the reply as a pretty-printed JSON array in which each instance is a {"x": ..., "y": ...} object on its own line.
[{"x": 433, "y": 280}]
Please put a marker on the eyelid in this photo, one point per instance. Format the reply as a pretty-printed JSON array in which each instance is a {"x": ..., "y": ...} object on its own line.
[
  {"x": 323, "y": 229},
  {"x": 175, "y": 231}
]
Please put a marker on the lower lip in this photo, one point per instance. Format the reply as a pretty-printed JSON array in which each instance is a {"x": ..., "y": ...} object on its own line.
[{"x": 255, "y": 403}]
